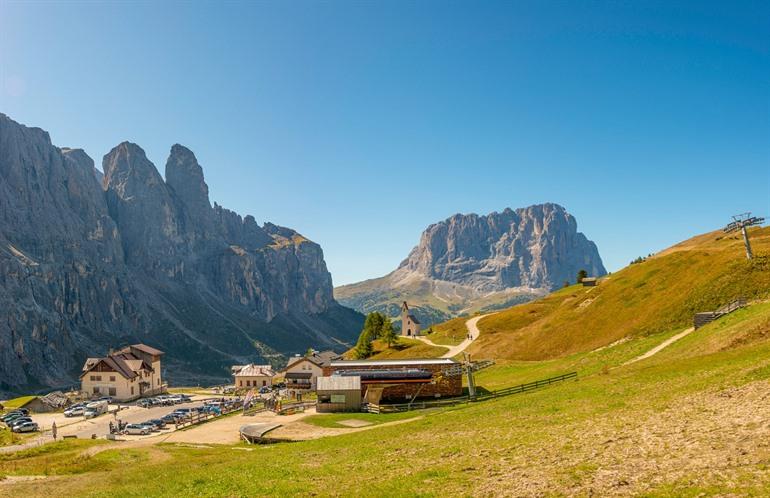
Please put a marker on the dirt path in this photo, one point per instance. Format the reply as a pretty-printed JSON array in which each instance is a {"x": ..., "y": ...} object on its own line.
[
  {"x": 473, "y": 333},
  {"x": 663, "y": 345},
  {"x": 302, "y": 431}
]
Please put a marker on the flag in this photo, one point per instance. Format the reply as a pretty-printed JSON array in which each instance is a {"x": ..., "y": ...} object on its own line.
[{"x": 248, "y": 398}]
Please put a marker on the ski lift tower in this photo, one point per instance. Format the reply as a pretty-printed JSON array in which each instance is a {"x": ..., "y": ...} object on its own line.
[{"x": 742, "y": 222}]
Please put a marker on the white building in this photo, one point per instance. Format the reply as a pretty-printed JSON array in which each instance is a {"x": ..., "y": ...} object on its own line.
[{"x": 125, "y": 375}]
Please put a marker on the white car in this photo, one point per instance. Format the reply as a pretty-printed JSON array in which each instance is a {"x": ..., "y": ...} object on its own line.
[
  {"x": 74, "y": 411},
  {"x": 138, "y": 429},
  {"x": 25, "y": 427}
]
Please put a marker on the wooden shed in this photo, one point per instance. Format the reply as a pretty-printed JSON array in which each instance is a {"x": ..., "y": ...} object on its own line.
[
  {"x": 338, "y": 393},
  {"x": 589, "y": 282}
]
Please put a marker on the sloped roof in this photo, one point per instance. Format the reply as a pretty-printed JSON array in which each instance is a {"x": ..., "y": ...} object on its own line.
[
  {"x": 326, "y": 357},
  {"x": 414, "y": 319},
  {"x": 394, "y": 363},
  {"x": 255, "y": 371},
  {"x": 338, "y": 383},
  {"x": 143, "y": 348},
  {"x": 124, "y": 363},
  {"x": 90, "y": 362},
  {"x": 321, "y": 359}
]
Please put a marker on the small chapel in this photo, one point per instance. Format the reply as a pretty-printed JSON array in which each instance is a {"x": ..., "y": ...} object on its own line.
[{"x": 410, "y": 326}]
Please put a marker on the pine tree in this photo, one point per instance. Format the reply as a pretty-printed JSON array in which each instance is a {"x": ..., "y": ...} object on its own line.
[
  {"x": 388, "y": 335},
  {"x": 581, "y": 275}
]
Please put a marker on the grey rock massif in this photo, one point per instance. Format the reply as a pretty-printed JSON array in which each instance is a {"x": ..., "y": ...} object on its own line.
[
  {"x": 89, "y": 262},
  {"x": 471, "y": 262}
]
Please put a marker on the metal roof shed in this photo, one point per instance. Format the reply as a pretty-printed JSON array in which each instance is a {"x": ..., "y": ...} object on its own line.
[{"x": 338, "y": 394}]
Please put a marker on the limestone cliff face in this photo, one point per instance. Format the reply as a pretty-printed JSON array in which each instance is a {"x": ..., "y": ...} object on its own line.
[
  {"x": 86, "y": 266},
  {"x": 470, "y": 263},
  {"x": 537, "y": 247}
]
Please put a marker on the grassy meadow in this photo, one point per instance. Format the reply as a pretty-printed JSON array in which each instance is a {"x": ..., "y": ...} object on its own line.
[{"x": 688, "y": 421}]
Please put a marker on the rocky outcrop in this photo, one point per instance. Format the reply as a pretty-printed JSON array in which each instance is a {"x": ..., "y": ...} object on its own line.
[
  {"x": 537, "y": 247},
  {"x": 471, "y": 262},
  {"x": 86, "y": 266}
]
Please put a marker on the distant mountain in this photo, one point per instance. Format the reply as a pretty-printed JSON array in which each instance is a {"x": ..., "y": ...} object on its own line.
[
  {"x": 85, "y": 266},
  {"x": 469, "y": 262}
]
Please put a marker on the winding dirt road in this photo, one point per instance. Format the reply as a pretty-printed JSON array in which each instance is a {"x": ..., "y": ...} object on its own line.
[{"x": 473, "y": 333}]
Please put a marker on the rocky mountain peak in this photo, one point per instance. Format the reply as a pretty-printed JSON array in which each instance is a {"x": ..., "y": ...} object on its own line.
[
  {"x": 85, "y": 267},
  {"x": 126, "y": 166},
  {"x": 536, "y": 247},
  {"x": 185, "y": 176}
]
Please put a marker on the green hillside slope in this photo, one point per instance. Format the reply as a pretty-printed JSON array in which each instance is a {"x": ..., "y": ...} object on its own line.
[
  {"x": 689, "y": 421},
  {"x": 657, "y": 295}
]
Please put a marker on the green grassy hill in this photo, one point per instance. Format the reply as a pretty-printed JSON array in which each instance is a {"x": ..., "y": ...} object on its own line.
[
  {"x": 657, "y": 295},
  {"x": 689, "y": 421}
]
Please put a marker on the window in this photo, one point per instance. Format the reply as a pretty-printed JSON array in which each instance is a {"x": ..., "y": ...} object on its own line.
[
  {"x": 99, "y": 377},
  {"x": 93, "y": 377},
  {"x": 112, "y": 378},
  {"x": 158, "y": 382},
  {"x": 264, "y": 382},
  {"x": 240, "y": 383},
  {"x": 248, "y": 383},
  {"x": 132, "y": 390},
  {"x": 113, "y": 391},
  {"x": 96, "y": 390}
]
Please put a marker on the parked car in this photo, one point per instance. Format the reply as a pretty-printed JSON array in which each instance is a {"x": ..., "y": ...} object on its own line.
[
  {"x": 185, "y": 398},
  {"x": 171, "y": 418},
  {"x": 74, "y": 411},
  {"x": 155, "y": 423},
  {"x": 25, "y": 427},
  {"x": 8, "y": 419},
  {"x": 138, "y": 429},
  {"x": 108, "y": 399},
  {"x": 265, "y": 390},
  {"x": 19, "y": 421},
  {"x": 15, "y": 413}
]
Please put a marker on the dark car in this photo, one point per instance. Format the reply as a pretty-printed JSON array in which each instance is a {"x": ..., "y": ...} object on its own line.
[
  {"x": 19, "y": 421},
  {"x": 10, "y": 418},
  {"x": 144, "y": 403},
  {"x": 156, "y": 423},
  {"x": 171, "y": 418},
  {"x": 16, "y": 412}
]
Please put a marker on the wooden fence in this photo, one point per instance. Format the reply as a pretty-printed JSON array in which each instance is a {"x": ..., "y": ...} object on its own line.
[
  {"x": 706, "y": 317},
  {"x": 198, "y": 417}
]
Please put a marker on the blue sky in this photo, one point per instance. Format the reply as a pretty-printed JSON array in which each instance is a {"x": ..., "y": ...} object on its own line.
[{"x": 360, "y": 123}]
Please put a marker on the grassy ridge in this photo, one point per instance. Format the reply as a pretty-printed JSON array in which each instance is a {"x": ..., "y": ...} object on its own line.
[
  {"x": 404, "y": 348},
  {"x": 659, "y": 294},
  {"x": 450, "y": 333}
]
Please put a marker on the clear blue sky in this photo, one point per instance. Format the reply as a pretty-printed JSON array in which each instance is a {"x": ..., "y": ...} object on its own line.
[{"x": 360, "y": 123}]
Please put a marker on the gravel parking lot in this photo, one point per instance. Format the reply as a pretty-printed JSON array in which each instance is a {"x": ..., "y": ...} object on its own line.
[{"x": 100, "y": 426}]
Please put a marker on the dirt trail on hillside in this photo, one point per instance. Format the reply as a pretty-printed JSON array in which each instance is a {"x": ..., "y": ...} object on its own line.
[
  {"x": 473, "y": 333},
  {"x": 302, "y": 431},
  {"x": 663, "y": 345}
]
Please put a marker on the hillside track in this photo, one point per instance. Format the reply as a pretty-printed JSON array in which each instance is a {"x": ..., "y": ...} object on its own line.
[
  {"x": 473, "y": 333},
  {"x": 660, "y": 347}
]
